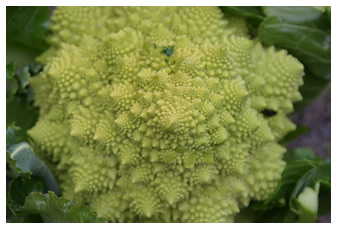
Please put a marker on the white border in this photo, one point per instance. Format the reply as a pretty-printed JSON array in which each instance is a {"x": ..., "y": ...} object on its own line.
[{"x": 3, "y": 4}]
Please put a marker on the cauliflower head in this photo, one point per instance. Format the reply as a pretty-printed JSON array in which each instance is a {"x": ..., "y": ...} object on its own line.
[{"x": 162, "y": 114}]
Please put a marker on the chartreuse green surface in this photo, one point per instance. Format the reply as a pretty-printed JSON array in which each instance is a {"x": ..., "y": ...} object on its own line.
[{"x": 161, "y": 114}]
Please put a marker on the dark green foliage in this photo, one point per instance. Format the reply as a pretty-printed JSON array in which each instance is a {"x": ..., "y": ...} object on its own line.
[
  {"x": 19, "y": 98},
  {"x": 253, "y": 14},
  {"x": 28, "y": 163},
  {"x": 26, "y": 29},
  {"x": 55, "y": 209},
  {"x": 20, "y": 188}
]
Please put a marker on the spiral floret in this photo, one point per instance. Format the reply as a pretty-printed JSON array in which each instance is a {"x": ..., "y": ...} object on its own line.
[{"x": 156, "y": 114}]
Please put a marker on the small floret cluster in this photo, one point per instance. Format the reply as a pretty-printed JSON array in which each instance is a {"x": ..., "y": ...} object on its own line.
[{"x": 162, "y": 114}]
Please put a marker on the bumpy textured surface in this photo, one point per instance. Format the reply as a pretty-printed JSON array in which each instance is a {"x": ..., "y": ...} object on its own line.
[{"x": 164, "y": 114}]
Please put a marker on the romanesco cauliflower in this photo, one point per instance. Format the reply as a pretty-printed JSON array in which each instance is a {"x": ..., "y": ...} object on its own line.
[{"x": 162, "y": 114}]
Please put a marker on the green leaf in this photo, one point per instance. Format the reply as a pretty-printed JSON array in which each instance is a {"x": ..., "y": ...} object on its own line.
[
  {"x": 304, "y": 15},
  {"x": 20, "y": 54},
  {"x": 23, "y": 76},
  {"x": 18, "y": 84},
  {"x": 20, "y": 187},
  {"x": 324, "y": 198},
  {"x": 27, "y": 162},
  {"x": 276, "y": 215},
  {"x": 300, "y": 153},
  {"x": 11, "y": 83},
  {"x": 11, "y": 138},
  {"x": 20, "y": 112},
  {"x": 11, "y": 132},
  {"x": 245, "y": 11},
  {"x": 27, "y": 25},
  {"x": 253, "y": 14},
  {"x": 11, "y": 162},
  {"x": 11, "y": 170},
  {"x": 10, "y": 70},
  {"x": 26, "y": 29},
  {"x": 19, "y": 109},
  {"x": 35, "y": 69},
  {"x": 25, "y": 219},
  {"x": 12, "y": 87},
  {"x": 246, "y": 215},
  {"x": 55, "y": 209}
]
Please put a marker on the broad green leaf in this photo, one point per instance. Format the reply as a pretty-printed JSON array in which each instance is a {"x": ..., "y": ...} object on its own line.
[
  {"x": 25, "y": 219},
  {"x": 246, "y": 11},
  {"x": 276, "y": 215},
  {"x": 304, "y": 15},
  {"x": 20, "y": 187},
  {"x": 300, "y": 153},
  {"x": 27, "y": 162},
  {"x": 27, "y": 25},
  {"x": 246, "y": 215},
  {"x": 55, "y": 209},
  {"x": 324, "y": 198},
  {"x": 26, "y": 29},
  {"x": 20, "y": 54},
  {"x": 253, "y": 14}
]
